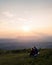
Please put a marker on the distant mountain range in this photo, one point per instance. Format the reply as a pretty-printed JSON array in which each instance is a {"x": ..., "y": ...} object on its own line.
[{"x": 16, "y": 44}]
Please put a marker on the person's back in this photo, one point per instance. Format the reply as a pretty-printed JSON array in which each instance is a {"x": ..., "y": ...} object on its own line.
[{"x": 36, "y": 50}]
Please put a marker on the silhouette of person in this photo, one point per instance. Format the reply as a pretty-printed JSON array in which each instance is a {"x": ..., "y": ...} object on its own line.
[{"x": 34, "y": 51}]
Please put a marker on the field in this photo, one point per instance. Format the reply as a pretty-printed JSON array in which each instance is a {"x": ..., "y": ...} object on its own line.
[{"x": 23, "y": 58}]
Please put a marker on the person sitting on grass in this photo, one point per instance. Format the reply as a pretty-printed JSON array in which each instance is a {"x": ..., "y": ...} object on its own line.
[{"x": 34, "y": 51}]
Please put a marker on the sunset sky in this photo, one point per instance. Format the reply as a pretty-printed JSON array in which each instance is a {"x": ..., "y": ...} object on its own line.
[{"x": 25, "y": 18}]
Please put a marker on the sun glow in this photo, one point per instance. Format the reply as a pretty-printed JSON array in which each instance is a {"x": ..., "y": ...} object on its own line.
[{"x": 26, "y": 28}]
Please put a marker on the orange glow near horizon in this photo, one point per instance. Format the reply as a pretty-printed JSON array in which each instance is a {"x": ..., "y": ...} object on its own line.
[{"x": 24, "y": 32}]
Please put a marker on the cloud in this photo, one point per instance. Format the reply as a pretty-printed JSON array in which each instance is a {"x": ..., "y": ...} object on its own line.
[
  {"x": 8, "y": 14},
  {"x": 22, "y": 19}
]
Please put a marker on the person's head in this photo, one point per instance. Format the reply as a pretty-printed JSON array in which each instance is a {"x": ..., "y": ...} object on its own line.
[{"x": 34, "y": 47}]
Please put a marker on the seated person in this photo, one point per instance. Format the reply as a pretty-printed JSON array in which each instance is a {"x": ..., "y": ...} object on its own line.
[{"x": 34, "y": 52}]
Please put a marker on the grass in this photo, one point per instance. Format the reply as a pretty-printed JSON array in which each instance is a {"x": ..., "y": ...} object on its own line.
[{"x": 44, "y": 58}]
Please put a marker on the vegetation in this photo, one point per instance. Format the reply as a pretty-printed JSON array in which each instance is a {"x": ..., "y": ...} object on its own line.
[{"x": 21, "y": 57}]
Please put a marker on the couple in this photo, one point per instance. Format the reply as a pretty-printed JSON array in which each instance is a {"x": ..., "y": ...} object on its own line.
[{"x": 34, "y": 52}]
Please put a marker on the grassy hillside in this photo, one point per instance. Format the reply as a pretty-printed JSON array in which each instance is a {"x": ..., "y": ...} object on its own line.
[{"x": 22, "y": 58}]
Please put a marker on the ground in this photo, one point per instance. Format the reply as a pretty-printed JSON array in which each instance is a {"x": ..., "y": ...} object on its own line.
[{"x": 23, "y": 58}]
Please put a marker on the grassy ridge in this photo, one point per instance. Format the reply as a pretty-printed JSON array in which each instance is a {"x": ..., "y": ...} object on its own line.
[{"x": 22, "y": 58}]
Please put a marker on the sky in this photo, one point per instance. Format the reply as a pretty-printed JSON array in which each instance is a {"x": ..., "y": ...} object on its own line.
[{"x": 19, "y": 18}]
